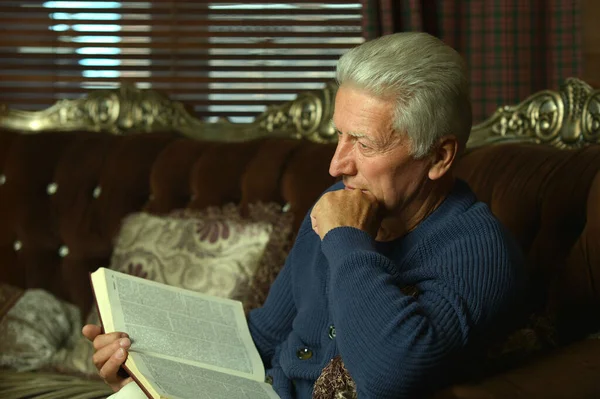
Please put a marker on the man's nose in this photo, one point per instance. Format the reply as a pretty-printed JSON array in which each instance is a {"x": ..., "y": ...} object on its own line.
[{"x": 342, "y": 162}]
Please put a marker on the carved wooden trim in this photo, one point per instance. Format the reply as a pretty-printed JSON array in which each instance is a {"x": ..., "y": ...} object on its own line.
[
  {"x": 567, "y": 118},
  {"x": 129, "y": 110},
  {"x": 308, "y": 116}
]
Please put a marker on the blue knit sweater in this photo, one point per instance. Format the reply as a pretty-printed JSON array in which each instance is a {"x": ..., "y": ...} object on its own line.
[{"x": 467, "y": 270}]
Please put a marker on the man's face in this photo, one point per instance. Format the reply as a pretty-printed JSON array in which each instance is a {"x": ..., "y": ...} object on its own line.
[{"x": 370, "y": 156}]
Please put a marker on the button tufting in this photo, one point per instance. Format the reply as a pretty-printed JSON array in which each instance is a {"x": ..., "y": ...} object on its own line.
[
  {"x": 52, "y": 188},
  {"x": 2, "y": 179},
  {"x": 17, "y": 245},
  {"x": 63, "y": 251},
  {"x": 97, "y": 191}
]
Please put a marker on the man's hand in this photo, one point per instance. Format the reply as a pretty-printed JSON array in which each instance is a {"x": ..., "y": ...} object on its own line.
[
  {"x": 352, "y": 208},
  {"x": 110, "y": 354}
]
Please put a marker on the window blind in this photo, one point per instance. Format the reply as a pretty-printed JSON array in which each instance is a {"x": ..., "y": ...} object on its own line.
[{"x": 221, "y": 58}]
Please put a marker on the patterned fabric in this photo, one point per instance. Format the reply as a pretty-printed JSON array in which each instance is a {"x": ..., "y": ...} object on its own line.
[
  {"x": 513, "y": 48},
  {"x": 67, "y": 352},
  {"x": 40, "y": 332},
  {"x": 75, "y": 357},
  {"x": 33, "y": 330},
  {"x": 215, "y": 251},
  {"x": 214, "y": 254},
  {"x": 276, "y": 251},
  {"x": 335, "y": 382}
]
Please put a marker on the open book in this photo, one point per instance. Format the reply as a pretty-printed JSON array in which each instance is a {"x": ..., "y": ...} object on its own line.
[{"x": 183, "y": 344}]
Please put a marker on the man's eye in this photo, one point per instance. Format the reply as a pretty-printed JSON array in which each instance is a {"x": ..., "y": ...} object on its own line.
[{"x": 363, "y": 145}]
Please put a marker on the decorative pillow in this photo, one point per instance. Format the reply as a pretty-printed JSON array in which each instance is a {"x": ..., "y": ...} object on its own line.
[
  {"x": 215, "y": 251},
  {"x": 75, "y": 357},
  {"x": 34, "y": 325},
  {"x": 276, "y": 252}
]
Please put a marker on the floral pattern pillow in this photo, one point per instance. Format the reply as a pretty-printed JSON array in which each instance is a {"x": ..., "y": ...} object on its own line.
[
  {"x": 34, "y": 326},
  {"x": 215, "y": 251}
]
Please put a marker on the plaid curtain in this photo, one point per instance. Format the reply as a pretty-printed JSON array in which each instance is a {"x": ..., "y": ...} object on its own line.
[{"x": 513, "y": 47}]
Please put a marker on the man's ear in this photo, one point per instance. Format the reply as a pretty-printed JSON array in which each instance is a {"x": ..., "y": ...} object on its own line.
[{"x": 443, "y": 156}]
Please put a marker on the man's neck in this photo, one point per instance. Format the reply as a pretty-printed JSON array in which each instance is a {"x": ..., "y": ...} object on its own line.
[{"x": 427, "y": 200}]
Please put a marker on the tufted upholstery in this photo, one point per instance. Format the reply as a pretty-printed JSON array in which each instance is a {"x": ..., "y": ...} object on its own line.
[
  {"x": 63, "y": 195},
  {"x": 548, "y": 199}
]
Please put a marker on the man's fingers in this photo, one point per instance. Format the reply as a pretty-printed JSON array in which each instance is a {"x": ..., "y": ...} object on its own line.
[
  {"x": 106, "y": 339},
  {"x": 110, "y": 354},
  {"x": 108, "y": 372},
  {"x": 91, "y": 331},
  {"x": 103, "y": 354}
]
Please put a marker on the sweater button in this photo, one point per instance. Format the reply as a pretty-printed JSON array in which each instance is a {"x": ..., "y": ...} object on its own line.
[
  {"x": 304, "y": 354},
  {"x": 331, "y": 332}
]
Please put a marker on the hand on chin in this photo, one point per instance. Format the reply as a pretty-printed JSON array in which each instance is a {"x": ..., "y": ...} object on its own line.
[{"x": 349, "y": 207}]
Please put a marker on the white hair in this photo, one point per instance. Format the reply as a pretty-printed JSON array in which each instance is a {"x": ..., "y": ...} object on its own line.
[{"x": 426, "y": 78}]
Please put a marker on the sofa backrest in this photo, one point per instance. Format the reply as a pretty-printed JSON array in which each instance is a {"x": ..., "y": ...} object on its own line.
[
  {"x": 63, "y": 195},
  {"x": 550, "y": 200}
]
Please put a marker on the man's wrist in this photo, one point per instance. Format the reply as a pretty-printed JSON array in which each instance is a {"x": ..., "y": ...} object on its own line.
[{"x": 340, "y": 242}]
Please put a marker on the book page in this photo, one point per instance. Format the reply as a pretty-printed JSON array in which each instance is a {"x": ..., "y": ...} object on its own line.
[
  {"x": 182, "y": 325},
  {"x": 176, "y": 380}
]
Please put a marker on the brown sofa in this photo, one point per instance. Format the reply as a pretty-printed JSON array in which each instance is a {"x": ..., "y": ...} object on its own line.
[{"x": 66, "y": 184}]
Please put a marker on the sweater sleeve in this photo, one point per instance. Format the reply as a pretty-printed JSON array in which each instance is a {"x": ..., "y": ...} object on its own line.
[
  {"x": 271, "y": 324},
  {"x": 389, "y": 340}
]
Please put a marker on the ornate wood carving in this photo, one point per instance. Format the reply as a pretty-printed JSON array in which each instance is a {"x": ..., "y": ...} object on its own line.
[
  {"x": 130, "y": 110},
  {"x": 567, "y": 118}
]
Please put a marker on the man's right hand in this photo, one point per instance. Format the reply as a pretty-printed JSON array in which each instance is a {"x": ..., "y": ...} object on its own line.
[{"x": 110, "y": 354}]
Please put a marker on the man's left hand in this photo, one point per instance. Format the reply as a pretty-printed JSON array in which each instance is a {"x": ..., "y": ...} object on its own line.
[{"x": 352, "y": 208}]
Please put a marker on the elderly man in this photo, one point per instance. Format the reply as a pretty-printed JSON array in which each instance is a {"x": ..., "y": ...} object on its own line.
[{"x": 397, "y": 269}]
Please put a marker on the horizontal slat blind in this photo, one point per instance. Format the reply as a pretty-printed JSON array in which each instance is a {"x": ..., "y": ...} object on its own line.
[{"x": 221, "y": 58}]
